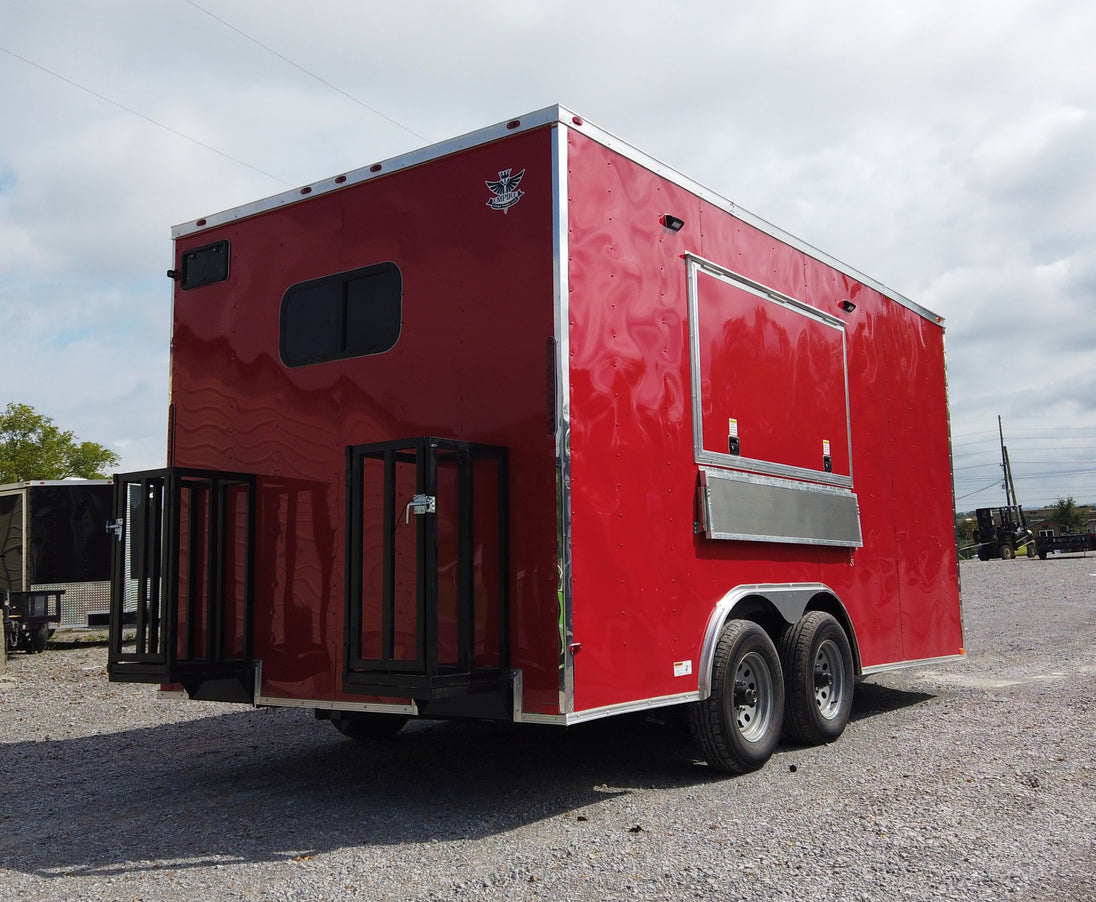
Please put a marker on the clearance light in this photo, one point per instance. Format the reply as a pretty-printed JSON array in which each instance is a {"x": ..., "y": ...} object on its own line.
[
  {"x": 671, "y": 222},
  {"x": 848, "y": 306}
]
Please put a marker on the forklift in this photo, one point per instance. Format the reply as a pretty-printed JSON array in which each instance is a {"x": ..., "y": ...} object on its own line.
[{"x": 1002, "y": 533}]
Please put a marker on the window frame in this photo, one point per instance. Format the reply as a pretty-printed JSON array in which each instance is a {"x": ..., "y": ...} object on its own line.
[{"x": 339, "y": 349}]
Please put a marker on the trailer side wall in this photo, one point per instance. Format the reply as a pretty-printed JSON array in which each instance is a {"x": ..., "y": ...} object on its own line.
[{"x": 644, "y": 584}]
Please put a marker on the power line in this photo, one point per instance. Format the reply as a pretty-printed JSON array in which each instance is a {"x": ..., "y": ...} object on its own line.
[
  {"x": 139, "y": 115},
  {"x": 307, "y": 72},
  {"x": 984, "y": 488}
]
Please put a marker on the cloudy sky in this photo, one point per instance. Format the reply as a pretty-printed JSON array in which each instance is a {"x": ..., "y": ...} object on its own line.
[{"x": 947, "y": 149}]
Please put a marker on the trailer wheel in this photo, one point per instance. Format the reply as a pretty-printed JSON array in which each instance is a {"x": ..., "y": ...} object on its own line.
[
  {"x": 818, "y": 679},
  {"x": 738, "y": 726},
  {"x": 1007, "y": 552},
  {"x": 365, "y": 726}
]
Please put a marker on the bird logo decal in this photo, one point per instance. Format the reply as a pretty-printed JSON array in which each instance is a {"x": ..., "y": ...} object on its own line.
[{"x": 505, "y": 189}]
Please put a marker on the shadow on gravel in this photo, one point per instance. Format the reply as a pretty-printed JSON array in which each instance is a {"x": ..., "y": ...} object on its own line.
[
  {"x": 273, "y": 785},
  {"x": 61, "y": 643},
  {"x": 270, "y": 785},
  {"x": 871, "y": 699}
]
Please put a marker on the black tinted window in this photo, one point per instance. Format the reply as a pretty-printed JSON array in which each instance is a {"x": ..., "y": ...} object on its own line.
[{"x": 351, "y": 314}]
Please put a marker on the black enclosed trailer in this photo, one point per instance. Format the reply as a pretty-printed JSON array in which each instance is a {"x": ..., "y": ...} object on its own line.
[{"x": 55, "y": 552}]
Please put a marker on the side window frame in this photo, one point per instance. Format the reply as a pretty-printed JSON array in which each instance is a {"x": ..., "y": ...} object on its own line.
[{"x": 339, "y": 344}]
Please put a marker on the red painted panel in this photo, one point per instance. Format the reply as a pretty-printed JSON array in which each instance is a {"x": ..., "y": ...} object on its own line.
[{"x": 469, "y": 364}]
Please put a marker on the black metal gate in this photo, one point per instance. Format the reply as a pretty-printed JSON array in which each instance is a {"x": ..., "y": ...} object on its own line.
[
  {"x": 427, "y": 557},
  {"x": 185, "y": 557}
]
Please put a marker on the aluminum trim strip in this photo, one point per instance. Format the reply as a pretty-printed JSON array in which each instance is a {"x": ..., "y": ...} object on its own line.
[
  {"x": 905, "y": 665},
  {"x": 379, "y": 169},
  {"x": 633, "y": 707},
  {"x": 951, "y": 475},
  {"x": 560, "y": 231},
  {"x": 32, "y": 483},
  {"x": 329, "y": 705},
  {"x": 645, "y": 704},
  {"x": 559, "y": 720},
  {"x": 751, "y": 466}
]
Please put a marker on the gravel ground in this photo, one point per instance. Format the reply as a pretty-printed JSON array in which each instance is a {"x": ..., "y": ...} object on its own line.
[{"x": 975, "y": 780}]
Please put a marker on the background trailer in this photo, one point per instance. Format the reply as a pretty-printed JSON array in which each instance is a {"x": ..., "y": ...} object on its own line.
[
  {"x": 526, "y": 425},
  {"x": 53, "y": 540}
]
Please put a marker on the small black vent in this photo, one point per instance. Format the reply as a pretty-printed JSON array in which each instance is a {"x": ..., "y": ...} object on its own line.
[{"x": 205, "y": 265}]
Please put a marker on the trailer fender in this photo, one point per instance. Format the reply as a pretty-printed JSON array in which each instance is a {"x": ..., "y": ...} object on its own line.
[{"x": 772, "y": 606}]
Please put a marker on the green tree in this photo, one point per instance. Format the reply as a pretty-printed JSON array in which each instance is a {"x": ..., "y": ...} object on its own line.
[
  {"x": 1069, "y": 516},
  {"x": 31, "y": 447}
]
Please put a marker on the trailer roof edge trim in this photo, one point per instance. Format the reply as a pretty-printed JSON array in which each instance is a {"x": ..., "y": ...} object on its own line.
[
  {"x": 34, "y": 483},
  {"x": 538, "y": 119}
]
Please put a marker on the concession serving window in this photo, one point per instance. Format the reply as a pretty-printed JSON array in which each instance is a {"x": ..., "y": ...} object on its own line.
[{"x": 770, "y": 406}]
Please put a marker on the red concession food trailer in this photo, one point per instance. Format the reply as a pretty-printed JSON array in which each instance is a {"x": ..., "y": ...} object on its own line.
[{"x": 526, "y": 425}]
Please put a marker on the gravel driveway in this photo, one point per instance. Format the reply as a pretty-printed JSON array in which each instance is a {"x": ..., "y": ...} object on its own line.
[{"x": 974, "y": 780}]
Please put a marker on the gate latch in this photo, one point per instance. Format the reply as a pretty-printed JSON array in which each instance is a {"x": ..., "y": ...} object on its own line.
[
  {"x": 115, "y": 527},
  {"x": 419, "y": 505}
]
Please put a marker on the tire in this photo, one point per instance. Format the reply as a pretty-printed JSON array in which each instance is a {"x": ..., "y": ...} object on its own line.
[
  {"x": 1007, "y": 552},
  {"x": 818, "y": 679},
  {"x": 737, "y": 727},
  {"x": 983, "y": 552},
  {"x": 1031, "y": 549},
  {"x": 363, "y": 726}
]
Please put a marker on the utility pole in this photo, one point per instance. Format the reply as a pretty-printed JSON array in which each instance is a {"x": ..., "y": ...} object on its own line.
[
  {"x": 1010, "y": 488},
  {"x": 1005, "y": 474}
]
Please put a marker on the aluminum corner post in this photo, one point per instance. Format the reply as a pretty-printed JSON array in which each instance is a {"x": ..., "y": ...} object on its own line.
[{"x": 561, "y": 366}]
